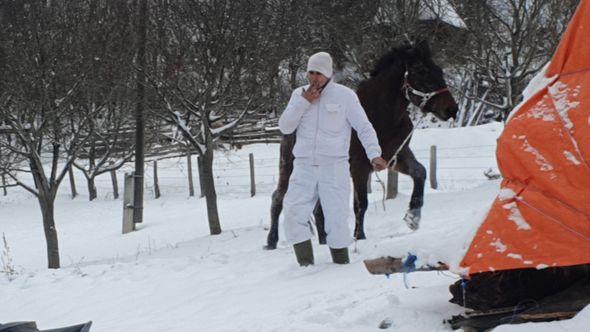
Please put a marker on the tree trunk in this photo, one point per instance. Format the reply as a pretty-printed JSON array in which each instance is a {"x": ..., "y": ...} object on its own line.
[
  {"x": 91, "y": 189},
  {"x": 189, "y": 167},
  {"x": 47, "y": 207},
  {"x": 72, "y": 182},
  {"x": 115, "y": 184},
  {"x": 206, "y": 177}
]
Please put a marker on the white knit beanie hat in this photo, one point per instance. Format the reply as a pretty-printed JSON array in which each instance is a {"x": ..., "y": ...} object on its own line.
[{"x": 320, "y": 62}]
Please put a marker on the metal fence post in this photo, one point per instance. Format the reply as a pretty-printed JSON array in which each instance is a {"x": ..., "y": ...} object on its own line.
[{"x": 128, "y": 224}]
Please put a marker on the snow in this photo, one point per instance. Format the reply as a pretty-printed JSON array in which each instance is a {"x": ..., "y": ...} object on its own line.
[
  {"x": 515, "y": 256},
  {"x": 445, "y": 12},
  {"x": 560, "y": 93},
  {"x": 506, "y": 194},
  {"x": 560, "y": 100},
  {"x": 570, "y": 156},
  {"x": 538, "y": 83},
  {"x": 170, "y": 275},
  {"x": 516, "y": 216},
  {"x": 543, "y": 163},
  {"x": 500, "y": 247}
]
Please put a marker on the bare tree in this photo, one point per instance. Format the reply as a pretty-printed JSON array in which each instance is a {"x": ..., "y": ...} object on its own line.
[
  {"x": 36, "y": 91},
  {"x": 201, "y": 85},
  {"x": 510, "y": 41},
  {"x": 106, "y": 62}
]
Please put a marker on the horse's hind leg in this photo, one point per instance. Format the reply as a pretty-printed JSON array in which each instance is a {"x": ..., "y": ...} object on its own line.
[
  {"x": 285, "y": 170},
  {"x": 318, "y": 215},
  {"x": 359, "y": 181},
  {"x": 408, "y": 165},
  {"x": 275, "y": 210}
]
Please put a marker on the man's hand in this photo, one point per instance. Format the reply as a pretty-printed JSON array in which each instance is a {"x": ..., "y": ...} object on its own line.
[
  {"x": 312, "y": 93},
  {"x": 379, "y": 163}
]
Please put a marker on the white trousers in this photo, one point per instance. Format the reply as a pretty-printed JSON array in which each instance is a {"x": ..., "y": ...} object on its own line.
[{"x": 331, "y": 184}]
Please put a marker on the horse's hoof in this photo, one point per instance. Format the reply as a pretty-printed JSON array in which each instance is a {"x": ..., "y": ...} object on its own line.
[
  {"x": 360, "y": 236},
  {"x": 270, "y": 246},
  {"x": 412, "y": 219}
]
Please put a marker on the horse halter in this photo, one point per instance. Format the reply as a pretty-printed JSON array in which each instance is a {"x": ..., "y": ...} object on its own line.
[{"x": 426, "y": 96}]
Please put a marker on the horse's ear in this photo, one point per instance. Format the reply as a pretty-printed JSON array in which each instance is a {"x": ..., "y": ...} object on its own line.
[{"x": 423, "y": 49}]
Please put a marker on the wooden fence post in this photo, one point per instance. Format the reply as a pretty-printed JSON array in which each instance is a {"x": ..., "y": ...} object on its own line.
[
  {"x": 4, "y": 184},
  {"x": 433, "y": 182},
  {"x": 115, "y": 184},
  {"x": 156, "y": 182},
  {"x": 392, "y": 180},
  {"x": 72, "y": 182},
  {"x": 128, "y": 224},
  {"x": 189, "y": 166},
  {"x": 252, "y": 178}
]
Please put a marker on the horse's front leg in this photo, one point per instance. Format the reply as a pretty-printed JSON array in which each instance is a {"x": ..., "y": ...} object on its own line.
[
  {"x": 410, "y": 166},
  {"x": 359, "y": 181}
]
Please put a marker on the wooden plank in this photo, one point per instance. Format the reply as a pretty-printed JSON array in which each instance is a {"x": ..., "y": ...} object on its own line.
[
  {"x": 563, "y": 305},
  {"x": 391, "y": 265},
  {"x": 545, "y": 316},
  {"x": 392, "y": 182}
]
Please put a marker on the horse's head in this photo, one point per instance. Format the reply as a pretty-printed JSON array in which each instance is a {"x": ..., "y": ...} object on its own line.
[{"x": 424, "y": 84}]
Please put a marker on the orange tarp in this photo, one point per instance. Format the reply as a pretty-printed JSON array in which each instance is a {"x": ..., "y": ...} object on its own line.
[{"x": 541, "y": 217}]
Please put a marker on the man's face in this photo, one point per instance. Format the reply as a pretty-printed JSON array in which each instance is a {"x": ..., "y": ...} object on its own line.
[{"x": 316, "y": 79}]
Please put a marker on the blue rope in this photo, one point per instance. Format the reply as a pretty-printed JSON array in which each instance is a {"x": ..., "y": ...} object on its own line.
[
  {"x": 521, "y": 307},
  {"x": 408, "y": 266}
]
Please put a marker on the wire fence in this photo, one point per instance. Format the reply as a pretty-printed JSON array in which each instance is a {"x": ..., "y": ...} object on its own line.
[{"x": 235, "y": 174}]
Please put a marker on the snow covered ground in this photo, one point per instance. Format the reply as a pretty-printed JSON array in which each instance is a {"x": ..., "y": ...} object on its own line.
[{"x": 170, "y": 275}]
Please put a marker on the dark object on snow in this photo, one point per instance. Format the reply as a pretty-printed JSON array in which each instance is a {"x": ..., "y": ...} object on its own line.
[
  {"x": 563, "y": 305},
  {"x": 32, "y": 327},
  {"x": 490, "y": 290},
  {"x": 386, "y": 323}
]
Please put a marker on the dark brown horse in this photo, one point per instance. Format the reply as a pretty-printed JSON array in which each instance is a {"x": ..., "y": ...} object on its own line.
[{"x": 405, "y": 74}]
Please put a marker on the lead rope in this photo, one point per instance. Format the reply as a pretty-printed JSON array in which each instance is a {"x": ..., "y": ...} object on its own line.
[{"x": 392, "y": 162}]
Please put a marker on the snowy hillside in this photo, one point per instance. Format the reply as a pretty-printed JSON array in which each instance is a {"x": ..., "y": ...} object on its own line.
[{"x": 170, "y": 275}]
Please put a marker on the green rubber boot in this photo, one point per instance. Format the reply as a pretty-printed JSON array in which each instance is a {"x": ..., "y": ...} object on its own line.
[
  {"x": 304, "y": 253},
  {"x": 340, "y": 256}
]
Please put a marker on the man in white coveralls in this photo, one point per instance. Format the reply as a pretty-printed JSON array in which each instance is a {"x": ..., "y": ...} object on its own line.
[{"x": 323, "y": 113}]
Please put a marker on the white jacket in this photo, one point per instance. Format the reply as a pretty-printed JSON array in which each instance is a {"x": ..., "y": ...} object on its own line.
[{"x": 324, "y": 126}]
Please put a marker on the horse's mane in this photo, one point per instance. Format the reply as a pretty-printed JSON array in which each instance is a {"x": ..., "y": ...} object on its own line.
[{"x": 396, "y": 55}]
